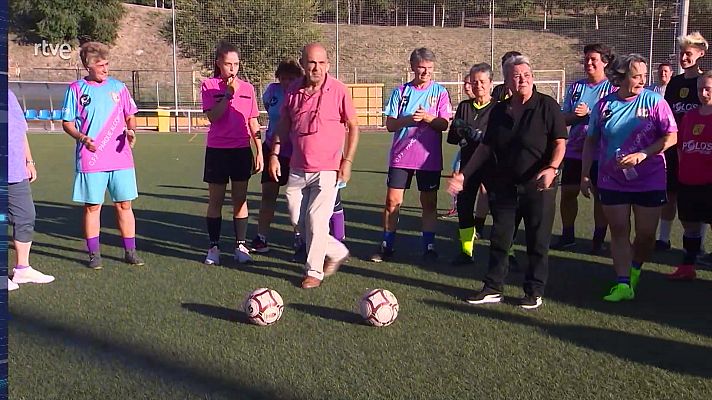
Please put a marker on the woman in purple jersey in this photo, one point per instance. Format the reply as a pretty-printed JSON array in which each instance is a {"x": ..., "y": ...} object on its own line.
[
  {"x": 580, "y": 99},
  {"x": 287, "y": 73},
  {"x": 98, "y": 111},
  {"x": 629, "y": 129}
]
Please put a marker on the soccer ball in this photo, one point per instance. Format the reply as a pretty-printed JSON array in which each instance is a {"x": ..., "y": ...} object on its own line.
[
  {"x": 263, "y": 306},
  {"x": 379, "y": 307}
]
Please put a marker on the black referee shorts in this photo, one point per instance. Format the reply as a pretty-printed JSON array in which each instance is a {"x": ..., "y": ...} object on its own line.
[{"x": 224, "y": 165}]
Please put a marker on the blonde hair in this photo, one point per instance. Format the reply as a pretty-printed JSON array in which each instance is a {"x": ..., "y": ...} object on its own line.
[
  {"x": 93, "y": 51},
  {"x": 694, "y": 39}
]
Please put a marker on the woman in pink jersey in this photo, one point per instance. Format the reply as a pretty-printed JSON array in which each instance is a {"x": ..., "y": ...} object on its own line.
[
  {"x": 231, "y": 106},
  {"x": 695, "y": 177}
]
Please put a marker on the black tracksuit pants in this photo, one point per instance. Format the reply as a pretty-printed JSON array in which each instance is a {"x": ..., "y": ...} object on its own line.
[{"x": 537, "y": 209}]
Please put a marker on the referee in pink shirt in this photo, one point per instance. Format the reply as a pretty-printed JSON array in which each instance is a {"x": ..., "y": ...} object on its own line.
[{"x": 319, "y": 120}]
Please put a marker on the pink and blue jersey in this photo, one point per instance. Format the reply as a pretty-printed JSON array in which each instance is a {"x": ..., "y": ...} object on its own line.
[
  {"x": 632, "y": 125},
  {"x": 273, "y": 98},
  {"x": 99, "y": 110},
  {"x": 418, "y": 147},
  {"x": 585, "y": 92}
]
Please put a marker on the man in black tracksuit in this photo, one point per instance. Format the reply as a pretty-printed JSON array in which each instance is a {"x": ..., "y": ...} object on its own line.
[{"x": 467, "y": 130}]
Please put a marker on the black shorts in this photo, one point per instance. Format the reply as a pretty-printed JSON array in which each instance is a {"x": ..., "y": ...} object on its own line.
[
  {"x": 400, "y": 178},
  {"x": 283, "y": 166},
  {"x": 671, "y": 165},
  {"x": 653, "y": 198},
  {"x": 694, "y": 203},
  {"x": 223, "y": 165},
  {"x": 571, "y": 173}
]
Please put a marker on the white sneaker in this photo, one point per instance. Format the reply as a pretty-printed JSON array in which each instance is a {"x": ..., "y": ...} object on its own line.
[
  {"x": 30, "y": 275},
  {"x": 213, "y": 257},
  {"x": 11, "y": 285},
  {"x": 242, "y": 254}
]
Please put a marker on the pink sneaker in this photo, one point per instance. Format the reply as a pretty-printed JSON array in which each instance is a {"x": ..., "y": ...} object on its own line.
[{"x": 683, "y": 272}]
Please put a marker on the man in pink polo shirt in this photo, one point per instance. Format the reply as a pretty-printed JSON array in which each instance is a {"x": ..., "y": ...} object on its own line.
[{"x": 320, "y": 122}]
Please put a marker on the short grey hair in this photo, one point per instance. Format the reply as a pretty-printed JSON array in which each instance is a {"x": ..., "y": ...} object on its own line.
[
  {"x": 482, "y": 67},
  {"x": 617, "y": 70},
  {"x": 514, "y": 61},
  {"x": 421, "y": 54}
]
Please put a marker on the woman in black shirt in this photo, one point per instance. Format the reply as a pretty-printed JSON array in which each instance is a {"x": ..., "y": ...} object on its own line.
[{"x": 467, "y": 130}]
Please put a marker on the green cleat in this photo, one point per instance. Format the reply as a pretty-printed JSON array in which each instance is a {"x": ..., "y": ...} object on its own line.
[
  {"x": 620, "y": 292},
  {"x": 634, "y": 278}
]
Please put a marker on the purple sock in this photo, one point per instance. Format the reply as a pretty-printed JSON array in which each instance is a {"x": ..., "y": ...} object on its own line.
[
  {"x": 130, "y": 243},
  {"x": 93, "y": 244},
  {"x": 338, "y": 225},
  {"x": 21, "y": 266}
]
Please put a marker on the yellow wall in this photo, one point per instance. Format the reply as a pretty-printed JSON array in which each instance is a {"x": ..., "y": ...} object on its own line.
[{"x": 368, "y": 101}]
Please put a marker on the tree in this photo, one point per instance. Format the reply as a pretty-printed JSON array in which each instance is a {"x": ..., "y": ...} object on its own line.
[
  {"x": 65, "y": 20},
  {"x": 266, "y": 31}
]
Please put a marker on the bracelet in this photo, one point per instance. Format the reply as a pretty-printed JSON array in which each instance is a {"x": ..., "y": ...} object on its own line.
[
  {"x": 346, "y": 159},
  {"x": 30, "y": 162},
  {"x": 83, "y": 139}
]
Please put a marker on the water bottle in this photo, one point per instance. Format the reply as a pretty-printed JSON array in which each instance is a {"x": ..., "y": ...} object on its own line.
[{"x": 629, "y": 173}]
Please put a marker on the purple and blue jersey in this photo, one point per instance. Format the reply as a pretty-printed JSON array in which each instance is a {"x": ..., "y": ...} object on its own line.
[
  {"x": 273, "y": 98},
  {"x": 99, "y": 110},
  {"x": 418, "y": 147},
  {"x": 579, "y": 92},
  {"x": 631, "y": 125}
]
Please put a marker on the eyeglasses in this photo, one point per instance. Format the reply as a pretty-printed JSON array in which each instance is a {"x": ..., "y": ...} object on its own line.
[{"x": 313, "y": 125}]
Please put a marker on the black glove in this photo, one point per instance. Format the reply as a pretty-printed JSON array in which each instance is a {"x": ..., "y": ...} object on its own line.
[{"x": 469, "y": 134}]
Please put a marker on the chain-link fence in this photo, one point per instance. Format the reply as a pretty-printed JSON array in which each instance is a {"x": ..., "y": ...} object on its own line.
[{"x": 369, "y": 41}]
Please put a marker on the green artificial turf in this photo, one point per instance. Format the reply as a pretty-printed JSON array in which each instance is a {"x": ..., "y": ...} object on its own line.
[{"x": 171, "y": 329}]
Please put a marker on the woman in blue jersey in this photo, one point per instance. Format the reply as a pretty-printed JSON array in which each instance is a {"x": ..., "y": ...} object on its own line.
[
  {"x": 99, "y": 114},
  {"x": 287, "y": 72},
  {"x": 580, "y": 99},
  {"x": 629, "y": 130}
]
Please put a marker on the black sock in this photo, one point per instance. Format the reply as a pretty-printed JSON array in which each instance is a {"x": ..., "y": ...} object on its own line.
[
  {"x": 214, "y": 230},
  {"x": 240, "y": 227},
  {"x": 479, "y": 224},
  {"x": 692, "y": 248}
]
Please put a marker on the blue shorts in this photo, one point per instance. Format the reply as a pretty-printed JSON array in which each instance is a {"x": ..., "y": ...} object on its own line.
[
  {"x": 653, "y": 198},
  {"x": 90, "y": 187},
  {"x": 400, "y": 178}
]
